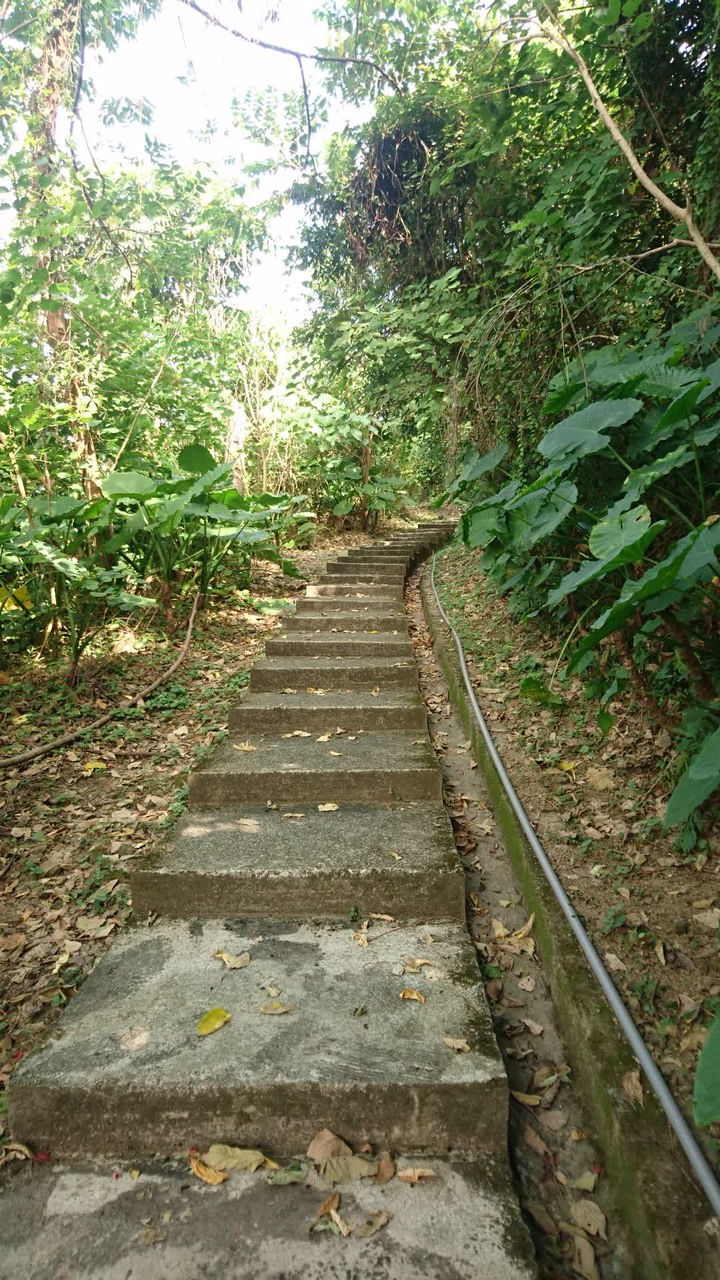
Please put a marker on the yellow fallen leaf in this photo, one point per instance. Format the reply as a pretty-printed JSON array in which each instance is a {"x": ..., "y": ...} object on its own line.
[
  {"x": 328, "y": 808},
  {"x": 415, "y": 966},
  {"x": 360, "y": 938},
  {"x": 379, "y": 915},
  {"x": 458, "y": 1046},
  {"x": 213, "y": 1020},
  {"x": 499, "y": 930},
  {"x": 61, "y": 960},
  {"x": 526, "y": 929},
  {"x": 134, "y": 1174},
  {"x": 325, "y": 738},
  {"x": 568, "y": 766},
  {"x": 293, "y": 815},
  {"x": 220, "y": 1156},
  {"x": 393, "y": 854},
  {"x": 416, "y": 1175},
  {"x": 527, "y": 1099},
  {"x": 411, "y": 994},
  {"x": 275, "y": 1008},
  {"x": 244, "y": 746},
  {"x": 233, "y": 962},
  {"x": 202, "y": 1171},
  {"x": 91, "y": 766}
]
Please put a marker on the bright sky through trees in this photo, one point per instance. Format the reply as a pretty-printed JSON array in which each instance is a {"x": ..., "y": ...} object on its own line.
[{"x": 191, "y": 73}]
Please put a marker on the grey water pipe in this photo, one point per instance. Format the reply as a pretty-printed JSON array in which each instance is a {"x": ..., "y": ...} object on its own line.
[{"x": 654, "y": 1076}]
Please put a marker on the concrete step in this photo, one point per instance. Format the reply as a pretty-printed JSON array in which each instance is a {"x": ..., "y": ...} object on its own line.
[
  {"x": 242, "y": 863},
  {"x": 301, "y": 674},
  {"x": 357, "y": 604},
  {"x": 399, "y": 709},
  {"x": 395, "y": 577},
  {"x": 355, "y": 643},
  {"x": 363, "y": 591},
  {"x": 126, "y": 1074},
  {"x": 375, "y": 767},
  {"x": 377, "y": 620}
]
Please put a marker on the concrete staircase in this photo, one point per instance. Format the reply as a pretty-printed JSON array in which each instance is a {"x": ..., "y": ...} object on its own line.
[{"x": 261, "y": 864}]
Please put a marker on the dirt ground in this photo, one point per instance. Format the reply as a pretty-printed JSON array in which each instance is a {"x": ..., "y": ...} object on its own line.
[{"x": 597, "y": 802}]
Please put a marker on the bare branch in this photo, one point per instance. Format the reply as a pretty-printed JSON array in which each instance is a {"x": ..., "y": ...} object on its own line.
[
  {"x": 294, "y": 53},
  {"x": 556, "y": 36}
]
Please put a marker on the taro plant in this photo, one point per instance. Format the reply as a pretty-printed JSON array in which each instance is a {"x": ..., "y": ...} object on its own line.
[{"x": 617, "y": 536}]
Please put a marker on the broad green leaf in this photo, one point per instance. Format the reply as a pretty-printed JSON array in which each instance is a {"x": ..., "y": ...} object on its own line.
[
  {"x": 699, "y": 780},
  {"x": 533, "y": 688},
  {"x": 536, "y": 515},
  {"x": 706, "y": 1089},
  {"x": 614, "y": 534},
  {"x": 127, "y": 484},
  {"x": 196, "y": 459},
  {"x": 479, "y": 527},
  {"x": 593, "y": 569},
  {"x": 476, "y": 465},
  {"x": 584, "y": 432}
]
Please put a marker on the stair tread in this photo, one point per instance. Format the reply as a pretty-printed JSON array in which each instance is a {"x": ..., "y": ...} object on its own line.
[
  {"x": 275, "y": 753},
  {"x": 126, "y": 1066}
]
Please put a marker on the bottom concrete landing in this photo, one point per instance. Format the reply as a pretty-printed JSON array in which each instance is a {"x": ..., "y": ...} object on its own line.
[
  {"x": 58, "y": 1224},
  {"x": 258, "y": 862},
  {"x": 127, "y": 1073}
]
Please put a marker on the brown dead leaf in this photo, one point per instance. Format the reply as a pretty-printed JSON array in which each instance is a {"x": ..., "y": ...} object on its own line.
[
  {"x": 233, "y": 962},
  {"x": 325, "y": 1145},
  {"x": 527, "y": 1099},
  {"x": 553, "y": 1120},
  {"x": 542, "y": 1217},
  {"x": 293, "y": 815},
  {"x": 410, "y": 993},
  {"x": 386, "y": 1168},
  {"x": 589, "y": 1216},
  {"x": 374, "y": 1221},
  {"x": 346, "y": 1168},
  {"x": 244, "y": 746},
  {"x": 632, "y": 1087},
  {"x": 527, "y": 983},
  {"x": 533, "y": 1140},
  {"x": 499, "y": 930},
  {"x": 274, "y": 1008},
  {"x": 332, "y": 1202},
  {"x": 415, "y": 966},
  {"x": 415, "y": 1175},
  {"x": 584, "y": 1258},
  {"x": 220, "y": 1156},
  {"x": 535, "y": 1028},
  {"x": 457, "y": 1046},
  {"x": 203, "y": 1171},
  {"x": 360, "y": 937}
]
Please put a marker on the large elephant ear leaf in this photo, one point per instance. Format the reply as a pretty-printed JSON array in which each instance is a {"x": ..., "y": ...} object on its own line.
[
  {"x": 699, "y": 780},
  {"x": 706, "y": 1090},
  {"x": 476, "y": 465},
  {"x": 617, "y": 532},
  {"x": 584, "y": 432},
  {"x": 127, "y": 484},
  {"x": 196, "y": 459}
]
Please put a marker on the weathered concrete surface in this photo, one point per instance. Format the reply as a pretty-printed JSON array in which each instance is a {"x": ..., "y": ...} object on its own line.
[
  {"x": 379, "y": 577},
  {"x": 351, "y": 587},
  {"x": 243, "y": 862},
  {"x": 347, "y": 620},
  {"x": 356, "y": 603},
  {"x": 379, "y": 767},
  {"x": 334, "y": 673},
  {"x": 396, "y": 709},
  {"x": 101, "y": 1224},
  {"x": 126, "y": 1072},
  {"x": 356, "y": 644}
]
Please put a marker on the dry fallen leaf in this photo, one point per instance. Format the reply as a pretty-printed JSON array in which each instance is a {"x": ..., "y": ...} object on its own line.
[
  {"x": 328, "y": 808},
  {"x": 527, "y": 1099},
  {"x": 499, "y": 930},
  {"x": 221, "y": 1156},
  {"x": 410, "y": 993},
  {"x": 360, "y": 937},
  {"x": 527, "y": 984},
  {"x": 542, "y": 1217},
  {"x": 203, "y": 1171},
  {"x": 535, "y": 1028},
  {"x": 386, "y": 1168},
  {"x": 244, "y": 746},
  {"x": 213, "y": 1020},
  {"x": 414, "y": 1176},
  {"x": 584, "y": 1258},
  {"x": 588, "y": 1215},
  {"x": 275, "y": 1008},
  {"x": 293, "y": 815},
  {"x": 233, "y": 962},
  {"x": 91, "y": 766},
  {"x": 586, "y": 1182},
  {"x": 348, "y": 1168},
  {"x": 325, "y": 1145},
  {"x": 415, "y": 966},
  {"x": 535, "y": 1142},
  {"x": 374, "y": 1221},
  {"x": 553, "y": 1120},
  {"x": 458, "y": 1046},
  {"x": 380, "y": 915},
  {"x": 632, "y": 1087}
]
